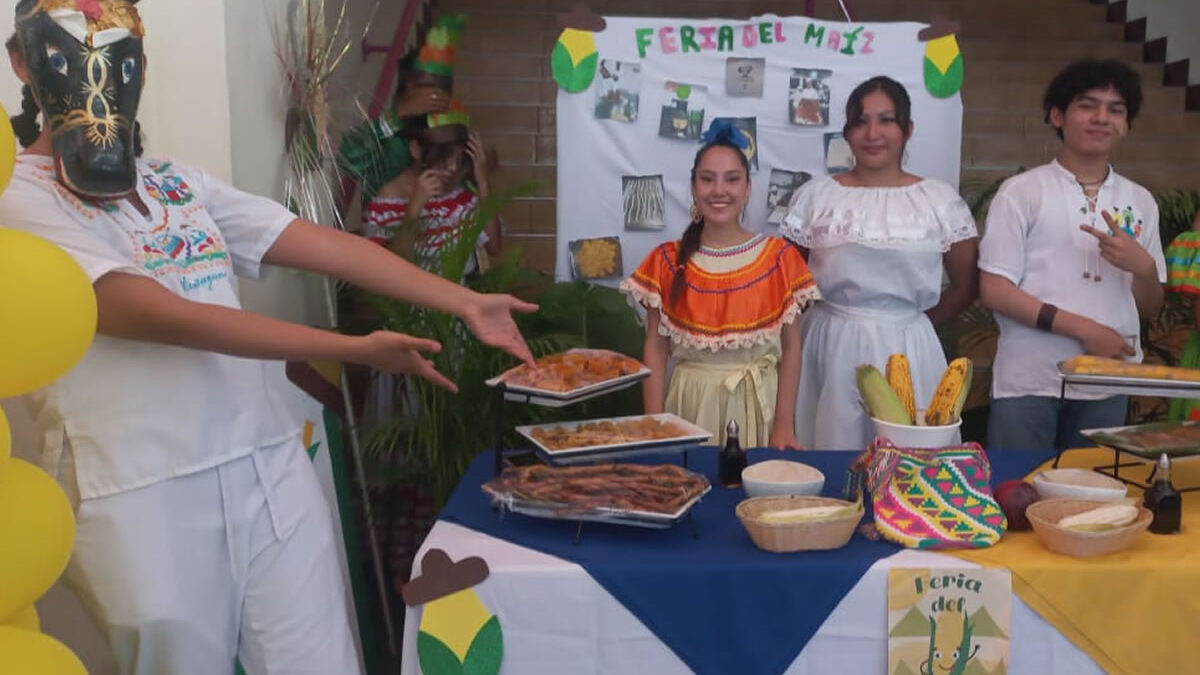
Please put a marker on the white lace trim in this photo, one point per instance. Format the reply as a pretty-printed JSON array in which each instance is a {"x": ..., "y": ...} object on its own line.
[
  {"x": 925, "y": 216},
  {"x": 635, "y": 295}
]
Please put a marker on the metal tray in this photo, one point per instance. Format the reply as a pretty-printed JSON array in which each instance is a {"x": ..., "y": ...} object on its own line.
[
  {"x": 558, "y": 399},
  {"x": 694, "y": 436},
  {"x": 552, "y": 511},
  {"x": 1108, "y": 437},
  {"x": 1124, "y": 384}
]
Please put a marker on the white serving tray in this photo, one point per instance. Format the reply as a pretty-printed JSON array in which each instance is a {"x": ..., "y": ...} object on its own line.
[
  {"x": 1124, "y": 384},
  {"x": 648, "y": 519},
  {"x": 694, "y": 436},
  {"x": 558, "y": 399}
]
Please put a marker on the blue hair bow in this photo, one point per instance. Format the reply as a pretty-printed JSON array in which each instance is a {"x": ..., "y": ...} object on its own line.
[{"x": 723, "y": 130}]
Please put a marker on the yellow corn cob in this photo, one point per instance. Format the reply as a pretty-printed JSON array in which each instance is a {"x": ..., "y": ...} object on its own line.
[
  {"x": 951, "y": 393},
  {"x": 809, "y": 513},
  {"x": 1095, "y": 365},
  {"x": 1101, "y": 518},
  {"x": 900, "y": 378}
]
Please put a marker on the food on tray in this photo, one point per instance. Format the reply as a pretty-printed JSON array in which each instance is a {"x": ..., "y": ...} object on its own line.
[
  {"x": 809, "y": 514},
  {"x": 572, "y": 370},
  {"x": 1101, "y": 518},
  {"x": 1160, "y": 437},
  {"x": 628, "y": 487},
  {"x": 1095, "y": 365},
  {"x": 615, "y": 432},
  {"x": 890, "y": 399}
]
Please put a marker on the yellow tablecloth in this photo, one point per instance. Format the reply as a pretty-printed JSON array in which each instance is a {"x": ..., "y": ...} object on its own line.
[{"x": 1136, "y": 611}]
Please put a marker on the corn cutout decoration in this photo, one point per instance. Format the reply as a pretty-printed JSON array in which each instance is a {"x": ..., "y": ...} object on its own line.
[
  {"x": 882, "y": 402},
  {"x": 943, "y": 59},
  {"x": 951, "y": 393},
  {"x": 457, "y": 633},
  {"x": 574, "y": 61},
  {"x": 899, "y": 376}
]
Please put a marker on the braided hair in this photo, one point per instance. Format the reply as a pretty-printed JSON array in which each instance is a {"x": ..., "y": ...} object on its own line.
[{"x": 689, "y": 243}]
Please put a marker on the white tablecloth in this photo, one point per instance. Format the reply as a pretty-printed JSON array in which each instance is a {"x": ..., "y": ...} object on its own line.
[{"x": 557, "y": 619}]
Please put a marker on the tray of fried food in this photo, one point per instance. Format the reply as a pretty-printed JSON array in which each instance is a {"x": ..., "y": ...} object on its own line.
[
  {"x": 643, "y": 495},
  {"x": 1152, "y": 439},
  {"x": 1118, "y": 377},
  {"x": 613, "y": 437},
  {"x": 572, "y": 375}
]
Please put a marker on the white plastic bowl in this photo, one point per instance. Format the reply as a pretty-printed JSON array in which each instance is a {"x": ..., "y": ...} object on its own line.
[
  {"x": 918, "y": 436},
  {"x": 782, "y": 477},
  {"x": 1078, "y": 484}
]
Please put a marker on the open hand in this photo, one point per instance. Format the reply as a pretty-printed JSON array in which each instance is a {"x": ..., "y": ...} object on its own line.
[
  {"x": 784, "y": 439},
  {"x": 489, "y": 316},
  {"x": 1100, "y": 340},
  {"x": 1121, "y": 250},
  {"x": 478, "y": 157},
  {"x": 399, "y": 353},
  {"x": 422, "y": 100},
  {"x": 430, "y": 183}
]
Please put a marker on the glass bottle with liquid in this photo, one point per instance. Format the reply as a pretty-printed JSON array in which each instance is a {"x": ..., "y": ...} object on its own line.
[
  {"x": 1163, "y": 500},
  {"x": 732, "y": 458}
]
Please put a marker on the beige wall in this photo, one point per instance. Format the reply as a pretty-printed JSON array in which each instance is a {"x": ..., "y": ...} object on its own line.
[{"x": 1176, "y": 20}]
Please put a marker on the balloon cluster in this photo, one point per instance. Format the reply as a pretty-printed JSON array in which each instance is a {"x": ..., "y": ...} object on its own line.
[{"x": 47, "y": 321}]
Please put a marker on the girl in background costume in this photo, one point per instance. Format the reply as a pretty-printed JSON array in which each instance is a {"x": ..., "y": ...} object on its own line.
[
  {"x": 722, "y": 302},
  {"x": 1183, "y": 276},
  {"x": 202, "y": 533},
  {"x": 878, "y": 239}
]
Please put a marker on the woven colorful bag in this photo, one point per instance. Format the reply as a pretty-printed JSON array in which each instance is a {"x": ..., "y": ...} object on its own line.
[{"x": 930, "y": 498}]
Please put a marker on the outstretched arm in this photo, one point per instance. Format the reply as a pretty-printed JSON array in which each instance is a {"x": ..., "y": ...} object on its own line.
[
  {"x": 306, "y": 245},
  {"x": 132, "y": 307}
]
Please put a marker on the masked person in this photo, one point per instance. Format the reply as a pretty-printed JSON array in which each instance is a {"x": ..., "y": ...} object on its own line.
[{"x": 202, "y": 532}]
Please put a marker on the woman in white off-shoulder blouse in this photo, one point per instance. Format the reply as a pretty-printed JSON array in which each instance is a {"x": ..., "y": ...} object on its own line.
[{"x": 878, "y": 239}]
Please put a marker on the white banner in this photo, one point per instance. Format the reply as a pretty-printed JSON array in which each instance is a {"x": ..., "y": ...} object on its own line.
[{"x": 626, "y": 143}]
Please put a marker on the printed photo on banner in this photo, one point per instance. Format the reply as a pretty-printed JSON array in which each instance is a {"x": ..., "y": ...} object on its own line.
[
  {"x": 617, "y": 90},
  {"x": 744, "y": 77},
  {"x": 808, "y": 97},
  {"x": 782, "y": 187},
  {"x": 594, "y": 259},
  {"x": 948, "y": 620},
  {"x": 749, "y": 128},
  {"x": 838, "y": 156},
  {"x": 683, "y": 111},
  {"x": 644, "y": 202}
]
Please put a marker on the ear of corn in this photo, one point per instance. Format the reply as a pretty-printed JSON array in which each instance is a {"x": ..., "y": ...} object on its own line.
[
  {"x": 951, "y": 393},
  {"x": 1101, "y": 518},
  {"x": 881, "y": 400},
  {"x": 1096, "y": 365},
  {"x": 810, "y": 513},
  {"x": 899, "y": 377}
]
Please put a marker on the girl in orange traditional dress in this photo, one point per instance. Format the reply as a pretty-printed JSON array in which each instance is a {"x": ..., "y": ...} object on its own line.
[{"x": 722, "y": 302}]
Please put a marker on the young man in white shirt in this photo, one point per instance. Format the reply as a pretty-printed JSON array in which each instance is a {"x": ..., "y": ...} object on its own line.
[{"x": 1070, "y": 263}]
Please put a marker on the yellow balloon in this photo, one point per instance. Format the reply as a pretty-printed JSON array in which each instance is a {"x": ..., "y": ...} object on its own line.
[
  {"x": 24, "y": 652},
  {"x": 8, "y": 151},
  {"x": 24, "y": 618},
  {"x": 47, "y": 312},
  {"x": 37, "y": 532}
]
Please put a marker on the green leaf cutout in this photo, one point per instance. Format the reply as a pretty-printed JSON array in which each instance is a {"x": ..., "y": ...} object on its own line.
[
  {"x": 945, "y": 85},
  {"x": 486, "y": 650},
  {"x": 435, "y": 657},
  {"x": 570, "y": 77}
]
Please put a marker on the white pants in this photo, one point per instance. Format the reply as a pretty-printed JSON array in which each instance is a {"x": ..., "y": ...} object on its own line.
[{"x": 237, "y": 561}]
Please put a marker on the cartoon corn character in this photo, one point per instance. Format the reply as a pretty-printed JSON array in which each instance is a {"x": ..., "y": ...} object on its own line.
[
  {"x": 943, "y": 59},
  {"x": 949, "y": 644},
  {"x": 457, "y": 633},
  {"x": 574, "y": 59}
]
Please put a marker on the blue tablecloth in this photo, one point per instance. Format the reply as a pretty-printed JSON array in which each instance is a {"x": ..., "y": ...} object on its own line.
[{"x": 722, "y": 605}]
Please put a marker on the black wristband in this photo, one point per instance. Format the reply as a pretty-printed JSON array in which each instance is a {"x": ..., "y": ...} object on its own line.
[{"x": 1045, "y": 317}]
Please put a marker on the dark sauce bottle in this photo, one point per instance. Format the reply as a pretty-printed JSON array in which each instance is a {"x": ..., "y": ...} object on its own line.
[
  {"x": 733, "y": 458},
  {"x": 1163, "y": 500}
]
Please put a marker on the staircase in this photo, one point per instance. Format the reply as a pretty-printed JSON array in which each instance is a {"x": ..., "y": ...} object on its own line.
[{"x": 1012, "y": 49}]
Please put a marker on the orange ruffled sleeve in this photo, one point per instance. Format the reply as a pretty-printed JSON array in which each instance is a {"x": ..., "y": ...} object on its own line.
[{"x": 727, "y": 310}]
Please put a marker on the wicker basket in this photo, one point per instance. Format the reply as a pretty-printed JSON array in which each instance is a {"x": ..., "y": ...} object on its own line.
[
  {"x": 1045, "y": 514},
  {"x": 789, "y": 537}
]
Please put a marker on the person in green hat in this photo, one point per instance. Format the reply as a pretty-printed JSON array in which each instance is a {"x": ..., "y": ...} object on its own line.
[{"x": 377, "y": 151}]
